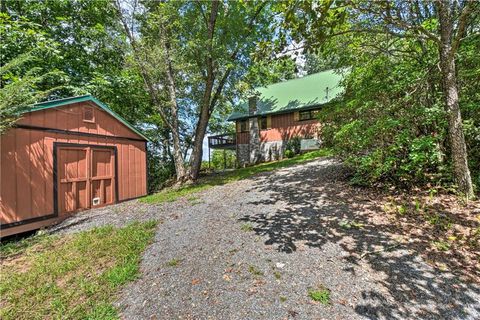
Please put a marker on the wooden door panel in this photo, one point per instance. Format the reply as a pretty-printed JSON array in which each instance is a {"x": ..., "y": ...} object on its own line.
[
  {"x": 72, "y": 179},
  {"x": 109, "y": 192},
  {"x": 103, "y": 176},
  {"x": 82, "y": 195},
  {"x": 85, "y": 178},
  {"x": 101, "y": 163}
]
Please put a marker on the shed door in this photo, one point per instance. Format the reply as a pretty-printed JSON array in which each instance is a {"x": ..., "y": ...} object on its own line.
[
  {"x": 102, "y": 177},
  {"x": 86, "y": 178}
]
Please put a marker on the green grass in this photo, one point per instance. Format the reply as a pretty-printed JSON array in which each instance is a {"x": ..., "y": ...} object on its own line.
[
  {"x": 321, "y": 295},
  {"x": 247, "y": 227},
  {"x": 347, "y": 224},
  {"x": 441, "y": 245},
  {"x": 174, "y": 262},
  {"x": 254, "y": 270},
  {"x": 204, "y": 183},
  {"x": 439, "y": 221},
  {"x": 71, "y": 276}
]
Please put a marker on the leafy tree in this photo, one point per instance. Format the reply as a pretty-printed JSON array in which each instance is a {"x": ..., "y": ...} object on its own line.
[
  {"x": 87, "y": 35},
  {"x": 89, "y": 48},
  {"x": 223, "y": 159},
  {"x": 409, "y": 26},
  {"x": 191, "y": 55},
  {"x": 318, "y": 62},
  {"x": 23, "y": 78}
]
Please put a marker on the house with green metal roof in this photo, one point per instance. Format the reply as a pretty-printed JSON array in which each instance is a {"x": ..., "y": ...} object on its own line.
[
  {"x": 297, "y": 94},
  {"x": 279, "y": 113}
]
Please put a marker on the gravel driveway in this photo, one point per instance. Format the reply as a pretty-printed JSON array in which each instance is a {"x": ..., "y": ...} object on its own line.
[{"x": 253, "y": 249}]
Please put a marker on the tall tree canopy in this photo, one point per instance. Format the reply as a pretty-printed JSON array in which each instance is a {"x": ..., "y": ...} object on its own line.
[
  {"x": 415, "y": 45},
  {"x": 191, "y": 55},
  {"x": 410, "y": 113}
]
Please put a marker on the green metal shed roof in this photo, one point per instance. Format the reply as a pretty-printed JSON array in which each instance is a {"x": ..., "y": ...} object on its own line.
[
  {"x": 296, "y": 94},
  {"x": 84, "y": 98}
]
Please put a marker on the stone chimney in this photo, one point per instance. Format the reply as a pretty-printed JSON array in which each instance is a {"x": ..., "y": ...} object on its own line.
[
  {"x": 252, "y": 105},
  {"x": 254, "y": 141}
]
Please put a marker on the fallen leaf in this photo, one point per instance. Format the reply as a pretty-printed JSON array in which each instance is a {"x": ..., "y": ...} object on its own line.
[{"x": 342, "y": 301}]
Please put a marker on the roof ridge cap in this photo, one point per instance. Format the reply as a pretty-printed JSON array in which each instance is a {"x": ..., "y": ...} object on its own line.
[{"x": 297, "y": 78}]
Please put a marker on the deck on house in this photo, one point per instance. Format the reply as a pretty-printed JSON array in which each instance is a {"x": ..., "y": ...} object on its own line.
[{"x": 222, "y": 141}]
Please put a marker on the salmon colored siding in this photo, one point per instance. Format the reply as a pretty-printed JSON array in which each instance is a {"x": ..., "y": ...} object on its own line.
[
  {"x": 70, "y": 117},
  {"x": 284, "y": 127},
  {"x": 27, "y": 164}
]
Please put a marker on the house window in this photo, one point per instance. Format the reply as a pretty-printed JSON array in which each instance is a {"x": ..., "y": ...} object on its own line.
[
  {"x": 88, "y": 114},
  {"x": 263, "y": 123},
  {"x": 307, "y": 115},
  {"x": 243, "y": 126}
]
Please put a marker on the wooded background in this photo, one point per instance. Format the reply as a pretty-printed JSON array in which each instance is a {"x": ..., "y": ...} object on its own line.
[{"x": 410, "y": 115}]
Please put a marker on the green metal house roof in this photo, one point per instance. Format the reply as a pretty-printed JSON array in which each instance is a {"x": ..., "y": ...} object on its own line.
[
  {"x": 296, "y": 94},
  {"x": 84, "y": 98}
]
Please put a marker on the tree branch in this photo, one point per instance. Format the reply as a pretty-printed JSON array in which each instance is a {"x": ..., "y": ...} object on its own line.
[
  {"x": 233, "y": 56},
  {"x": 462, "y": 25},
  {"x": 143, "y": 72},
  {"x": 395, "y": 20}
]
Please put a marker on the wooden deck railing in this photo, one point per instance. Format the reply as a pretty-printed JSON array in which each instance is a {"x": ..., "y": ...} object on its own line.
[{"x": 222, "y": 141}]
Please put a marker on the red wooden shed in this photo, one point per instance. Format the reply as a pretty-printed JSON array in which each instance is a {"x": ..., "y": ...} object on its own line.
[{"x": 64, "y": 156}]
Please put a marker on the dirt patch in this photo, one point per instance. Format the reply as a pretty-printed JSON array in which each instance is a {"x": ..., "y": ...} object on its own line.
[
  {"x": 19, "y": 260},
  {"x": 441, "y": 227}
]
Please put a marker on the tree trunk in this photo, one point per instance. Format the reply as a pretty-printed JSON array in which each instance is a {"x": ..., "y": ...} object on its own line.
[
  {"x": 450, "y": 91},
  {"x": 197, "y": 152},
  {"x": 171, "y": 119},
  {"x": 204, "y": 117},
  {"x": 180, "y": 169}
]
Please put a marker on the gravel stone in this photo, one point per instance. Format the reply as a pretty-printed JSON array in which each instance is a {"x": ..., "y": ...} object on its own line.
[{"x": 297, "y": 244}]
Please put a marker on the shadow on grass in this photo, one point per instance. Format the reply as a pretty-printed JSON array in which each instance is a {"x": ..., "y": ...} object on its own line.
[
  {"x": 216, "y": 179},
  {"x": 317, "y": 204}
]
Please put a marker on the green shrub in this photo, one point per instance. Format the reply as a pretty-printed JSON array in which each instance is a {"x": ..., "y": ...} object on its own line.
[
  {"x": 219, "y": 160},
  {"x": 385, "y": 135},
  {"x": 294, "y": 145},
  {"x": 289, "y": 153}
]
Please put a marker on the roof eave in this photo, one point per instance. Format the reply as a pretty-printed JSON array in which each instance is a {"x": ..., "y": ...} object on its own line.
[{"x": 313, "y": 106}]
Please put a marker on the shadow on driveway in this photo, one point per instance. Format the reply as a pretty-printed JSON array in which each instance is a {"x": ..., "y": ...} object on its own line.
[{"x": 317, "y": 200}]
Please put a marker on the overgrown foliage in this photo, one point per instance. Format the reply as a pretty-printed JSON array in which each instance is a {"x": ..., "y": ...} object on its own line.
[
  {"x": 24, "y": 77},
  {"x": 392, "y": 125},
  {"x": 385, "y": 132},
  {"x": 223, "y": 159},
  {"x": 293, "y": 146},
  {"x": 398, "y": 121}
]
